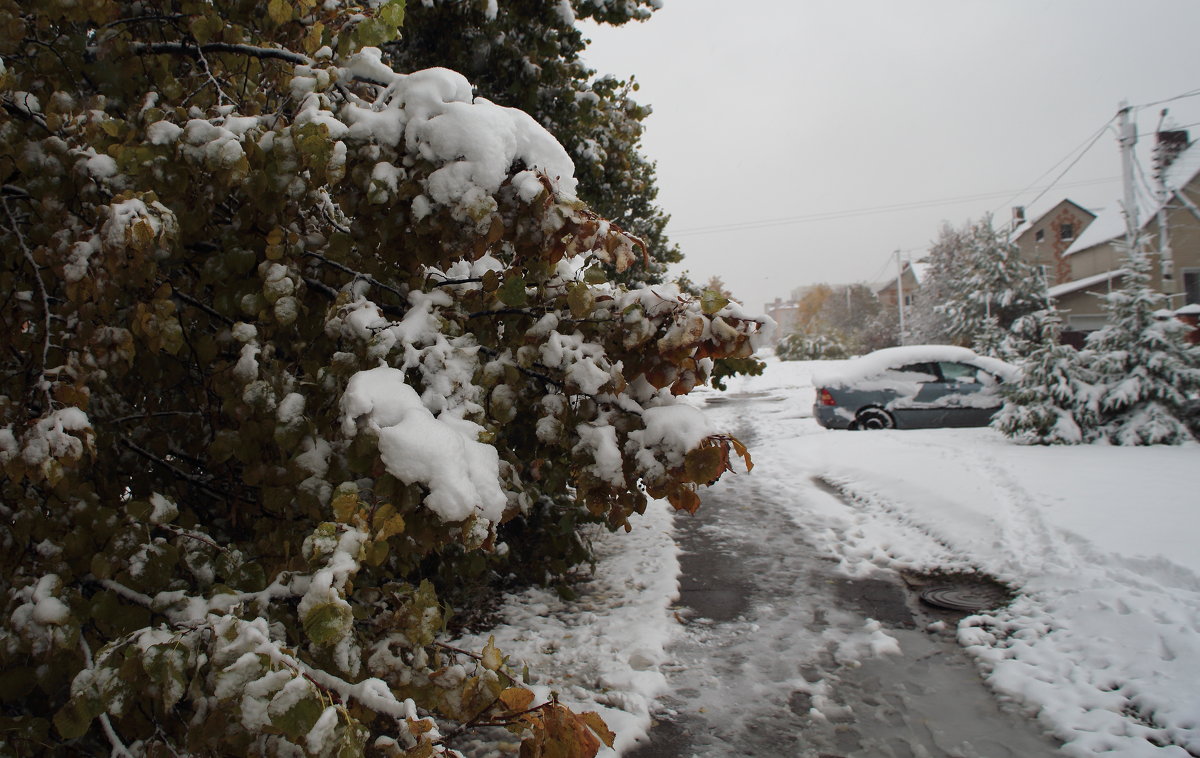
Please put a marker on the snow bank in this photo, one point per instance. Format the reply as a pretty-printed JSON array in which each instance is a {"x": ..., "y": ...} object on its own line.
[{"x": 602, "y": 651}]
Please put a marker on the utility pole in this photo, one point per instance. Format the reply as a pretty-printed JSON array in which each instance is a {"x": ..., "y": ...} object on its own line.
[
  {"x": 1127, "y": 138},
  {"x": 900, "y": 293},
  {"x": 1166, "y": 256}
]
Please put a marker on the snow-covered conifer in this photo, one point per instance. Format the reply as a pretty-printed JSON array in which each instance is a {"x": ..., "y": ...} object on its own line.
[
  {"x": 1052, "y": 402},
  {"x": 975, "y": 286},
  {"x": 1145, "y": 369},
  {"x": 945, "y": 265}
]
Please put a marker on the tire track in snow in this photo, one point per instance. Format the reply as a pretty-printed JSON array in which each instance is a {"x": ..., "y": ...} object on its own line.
[{"x": 804, "y": 667}]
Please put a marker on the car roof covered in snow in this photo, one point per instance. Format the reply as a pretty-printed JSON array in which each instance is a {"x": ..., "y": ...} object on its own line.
[{"x": 880, "y": 361}]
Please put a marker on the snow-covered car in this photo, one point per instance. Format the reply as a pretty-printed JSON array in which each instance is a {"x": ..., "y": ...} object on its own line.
[{"x": 911, "y": 387}]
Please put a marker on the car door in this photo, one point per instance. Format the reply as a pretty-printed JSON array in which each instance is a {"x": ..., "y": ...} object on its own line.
[
  {"x": 919, "y": 403},
  {"x": 968, "y": 394}
]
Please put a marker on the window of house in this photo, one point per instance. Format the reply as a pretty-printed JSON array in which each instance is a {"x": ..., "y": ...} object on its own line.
[
  {"x": 1066, "y": 232},
  {"x": 1041, "y": 235},
  {"x": 1191, "y": 286}
]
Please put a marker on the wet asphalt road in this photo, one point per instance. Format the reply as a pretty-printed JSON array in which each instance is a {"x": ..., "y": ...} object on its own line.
[{"x": 770, "y": 659}]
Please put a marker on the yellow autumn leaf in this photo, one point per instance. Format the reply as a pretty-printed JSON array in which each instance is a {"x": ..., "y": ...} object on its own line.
[
  {"x": 345, "y": 506},
  {"x": 389, "y": 527},
  {"x": 597, "y": 725},
  {"x": 516, "y": 698},
  {"x": 279, "y": 11},
  {"x": 491, "y": 659}
]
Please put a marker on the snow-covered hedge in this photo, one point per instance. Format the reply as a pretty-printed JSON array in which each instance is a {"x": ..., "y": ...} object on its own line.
[{"x": 296, "y": 341}]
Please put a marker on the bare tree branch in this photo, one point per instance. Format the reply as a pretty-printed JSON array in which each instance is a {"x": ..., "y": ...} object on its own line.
[{"x": 37, "y": 275}]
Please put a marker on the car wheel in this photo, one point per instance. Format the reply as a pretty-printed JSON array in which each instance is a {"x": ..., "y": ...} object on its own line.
[{"x": 874, "y": 418}]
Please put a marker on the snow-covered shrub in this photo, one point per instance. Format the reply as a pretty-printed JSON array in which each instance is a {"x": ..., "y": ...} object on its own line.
[
  {"x": 798, "y": 346},
  {"x": 295, "y": 343}
]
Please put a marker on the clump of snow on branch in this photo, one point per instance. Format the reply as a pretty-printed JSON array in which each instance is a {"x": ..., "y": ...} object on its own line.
[
  {"x": 439, "y": 452},
  {"x": 435, "y": 115}
]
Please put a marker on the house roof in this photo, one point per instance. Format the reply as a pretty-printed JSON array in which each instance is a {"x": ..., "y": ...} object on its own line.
[
  {"x": 1110, "y": 224},
  {"x": 918, "y": 270},
  {"x": 1067, "y": 288},
  {"x": 1032, "y": 221}
]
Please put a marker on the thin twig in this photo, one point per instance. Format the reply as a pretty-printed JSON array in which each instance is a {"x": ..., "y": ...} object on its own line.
[
  {"x": 458, "y": 650},
  {"x": 136, "y": 19},
  {"x": 449, "y": 282},
  {"x": 356, "y": 274},
  {"x": 118, "y": 747},
  {"x": 37, "y": 274},
  {"x": 197, "y": 481},
  {"x": 158, "y": 414},
  {"x": 202, "y": 306},
  {"x": 180, "y": 531},
  {"x": 131, "y": 595},
  {"x": 222, "y": 96},
  {"x": 195, "y": 50},
  {"x": 505, "y": 312}
]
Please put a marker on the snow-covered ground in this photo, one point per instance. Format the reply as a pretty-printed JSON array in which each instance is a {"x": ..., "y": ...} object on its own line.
[{"x": 1101, "y": 644}]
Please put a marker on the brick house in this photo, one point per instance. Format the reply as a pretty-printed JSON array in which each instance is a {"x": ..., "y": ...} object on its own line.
[
  {"x": 1044, "y": 241},
  {"x": 1169, "y": 223}
]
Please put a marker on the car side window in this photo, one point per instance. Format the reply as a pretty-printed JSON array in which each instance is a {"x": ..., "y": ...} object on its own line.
[
  {"x": 959, "y": 372},
  {"x": 923, "y": 372}
]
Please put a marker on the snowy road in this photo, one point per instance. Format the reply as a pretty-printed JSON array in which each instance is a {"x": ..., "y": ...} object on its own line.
[
  {"x": 779, "y": 619},
  {"x": 781, "y": 653}
]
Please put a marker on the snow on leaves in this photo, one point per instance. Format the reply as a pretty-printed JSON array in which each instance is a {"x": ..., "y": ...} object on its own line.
[{"x": 298, "y": 344}]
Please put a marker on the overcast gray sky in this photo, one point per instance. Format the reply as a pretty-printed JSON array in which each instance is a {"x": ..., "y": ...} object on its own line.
[{"x": 783, "y": 129}]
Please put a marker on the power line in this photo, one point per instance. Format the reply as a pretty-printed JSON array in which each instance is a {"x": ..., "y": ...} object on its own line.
[
  {"x": 1192, "y": 93},
  {"x": 1078, "y": 152},
  {"x": 857, "y": 212},
  {"x": 1082, "y": 150},
  {"x": 1073, "y": 163}
]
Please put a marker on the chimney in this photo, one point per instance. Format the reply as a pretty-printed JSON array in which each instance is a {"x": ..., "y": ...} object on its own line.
[
  {"x": 1018, "y": 215},
  {"x": 1167, "y": 147}
]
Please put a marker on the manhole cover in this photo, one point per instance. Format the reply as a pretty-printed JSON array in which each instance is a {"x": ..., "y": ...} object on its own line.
[{"x": 965, "y": 597}]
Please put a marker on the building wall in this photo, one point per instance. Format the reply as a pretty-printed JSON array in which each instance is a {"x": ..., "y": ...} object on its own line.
[
  {"x": 1183, "y": 231},
  {"x": 1083, "y": 310},
  {"x": 1045, "y": 241},
  {"x": 784, "y": 314},
  {"x": 889, "y": 295}
]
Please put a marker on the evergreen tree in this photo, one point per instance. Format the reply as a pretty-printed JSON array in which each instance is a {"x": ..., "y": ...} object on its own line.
[
  {"x": 1053, "y": 401},
  {"x": 526, "y": 54},
  {"x": 293, "y": 350},
  {"x": 976, "y": 287},
  {"x": 1145, "y": 368},
  {"x": 944, "y": 268}
]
